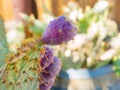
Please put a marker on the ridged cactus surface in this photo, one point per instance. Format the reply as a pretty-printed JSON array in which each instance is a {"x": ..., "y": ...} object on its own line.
[{"x": 3, "y": 43}]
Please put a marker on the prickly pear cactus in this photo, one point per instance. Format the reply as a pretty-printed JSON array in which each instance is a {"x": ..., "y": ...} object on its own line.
[
  {"x": 34, "y": 66},
  {"x": 20, "y": 70}
]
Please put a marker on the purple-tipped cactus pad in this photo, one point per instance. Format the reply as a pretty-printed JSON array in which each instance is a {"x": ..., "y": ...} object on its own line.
[
  {"x": 52, "y": 70},
  {"x": 46, "y": 86},
  {"x": 59, "y": 31},
  {"x": 46, "y": 56},
  {"x": 49, "y": 74}
]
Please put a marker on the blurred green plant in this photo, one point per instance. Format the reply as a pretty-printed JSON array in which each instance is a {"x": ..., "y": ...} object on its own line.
[
  {"x": 92, "y": 47},
  {"x": 92, "y": 15},
  {"x": 35, "y": 26},
  {"x": 4, "y": 51},
  {"x": 116, "y": 63}
]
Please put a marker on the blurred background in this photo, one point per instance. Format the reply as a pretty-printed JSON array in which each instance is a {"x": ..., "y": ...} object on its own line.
[
  {"x": 10, "y": 9},
  {"x": 91, "y": 61},
  {"x": 28, "y": 18},
  {"x": 46, "y": 10}
]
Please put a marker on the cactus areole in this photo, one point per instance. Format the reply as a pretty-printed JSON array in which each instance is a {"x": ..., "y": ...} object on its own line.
[{"x": 59, "y": 31}]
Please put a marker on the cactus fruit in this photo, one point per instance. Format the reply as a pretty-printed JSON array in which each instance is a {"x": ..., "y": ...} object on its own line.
[
  {"x": 49, "y": 74},
  {"x": 59, "y": 31},
  {"x": 46, "y": 85},
  {"x": 46, "y": 56}
]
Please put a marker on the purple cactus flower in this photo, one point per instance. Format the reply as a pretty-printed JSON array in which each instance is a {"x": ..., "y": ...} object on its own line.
[
  {"x": 59, "y": 31},
  {"x": 46, "y": 56}
]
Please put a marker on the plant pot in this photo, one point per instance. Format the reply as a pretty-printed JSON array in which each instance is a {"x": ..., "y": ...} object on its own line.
[{"x": 102, "y": 78}]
